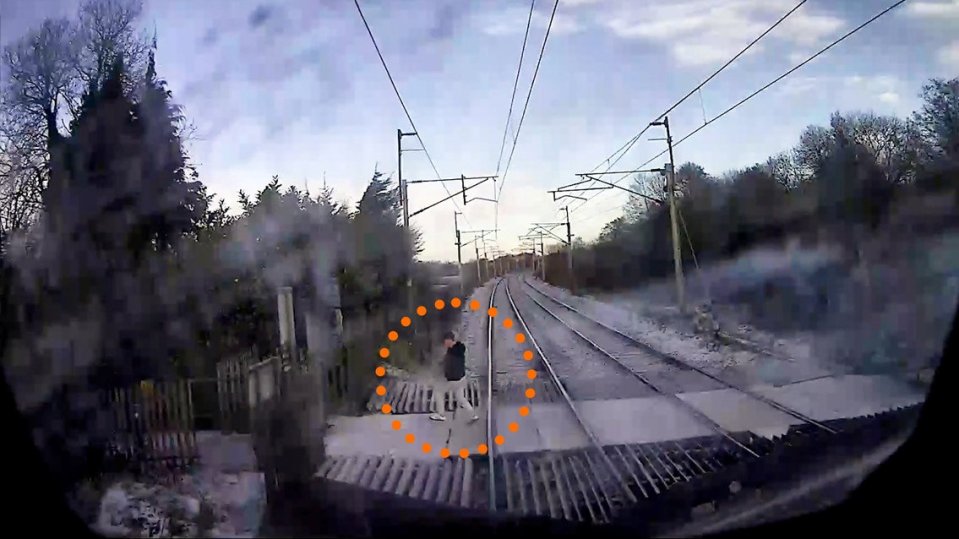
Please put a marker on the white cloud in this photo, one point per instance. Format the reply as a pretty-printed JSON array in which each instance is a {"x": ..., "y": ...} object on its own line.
[
  {"x": 890, "y": 97},
  {"x": 577, "y": 3},
  {"x": 707, "y": 31},
  {"x": 513, "y": 20},
  {"x": 798, "y": 85},
  {"x": 689, "y": 53},
  {"x": 798, "y": 56},
  {"x": 934, "y": 10},
  {"x": 876, "y": 83},
  {"x": 884, "y": 89},
  {"x": 948, "y": 56}
]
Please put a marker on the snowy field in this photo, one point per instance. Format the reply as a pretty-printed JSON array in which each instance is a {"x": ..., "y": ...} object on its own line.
[{"x": 889, "y": 315}]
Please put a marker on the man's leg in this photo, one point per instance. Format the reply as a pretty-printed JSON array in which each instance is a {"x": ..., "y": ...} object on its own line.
[
  {"x": 460, "y": 391},
  {"x": 439, "y": 397}
]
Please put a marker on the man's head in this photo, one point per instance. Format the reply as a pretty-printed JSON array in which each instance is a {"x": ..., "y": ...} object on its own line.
[{"x": 449, "y": 339}]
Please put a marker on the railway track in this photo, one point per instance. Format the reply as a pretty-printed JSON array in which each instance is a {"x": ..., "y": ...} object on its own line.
[
  {"x": 590, "y": 484},
  {"x": 595, "y": 482},
  {"x": 641, "y": 355}
]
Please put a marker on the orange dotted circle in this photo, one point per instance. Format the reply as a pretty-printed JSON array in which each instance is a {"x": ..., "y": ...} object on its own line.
[{"x": 397, "y": 425}]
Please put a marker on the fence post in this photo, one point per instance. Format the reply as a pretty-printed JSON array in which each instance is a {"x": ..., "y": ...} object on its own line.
[
  {"x": 284, "y": 303},
  {"x": 221, "y": 396}
]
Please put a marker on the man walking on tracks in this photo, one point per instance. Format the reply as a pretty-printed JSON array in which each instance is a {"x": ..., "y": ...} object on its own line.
[{"x": 454, "y": 370}]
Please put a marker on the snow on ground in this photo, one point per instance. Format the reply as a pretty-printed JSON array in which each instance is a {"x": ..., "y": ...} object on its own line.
[
  {"x": 675, "y": 336},
  {"x": 670, "y": 340},
  {"x": 222, "y": 496},
  {"x": 890, "y": 314}
]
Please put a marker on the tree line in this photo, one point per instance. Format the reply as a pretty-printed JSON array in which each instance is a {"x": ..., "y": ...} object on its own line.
[
  {"x": 845, "y": 182},
  {"x": 118, "y": 265}
]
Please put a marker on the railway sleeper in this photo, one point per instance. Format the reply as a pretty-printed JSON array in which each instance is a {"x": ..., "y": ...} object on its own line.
[{"x": 576, "y": 485}]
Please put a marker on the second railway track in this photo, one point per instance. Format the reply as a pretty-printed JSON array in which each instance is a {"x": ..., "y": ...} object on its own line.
[
  {"x": 593, "y": 482},
  {"x": 671, "y": 374}
]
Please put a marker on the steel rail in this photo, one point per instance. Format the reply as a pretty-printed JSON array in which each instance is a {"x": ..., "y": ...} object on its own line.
[
  {"x": 682, "y": 364},
  {"x": 569, "y": 401},
  {"x": 490, "y": 426},
  {"x": 688, "y": 408}
]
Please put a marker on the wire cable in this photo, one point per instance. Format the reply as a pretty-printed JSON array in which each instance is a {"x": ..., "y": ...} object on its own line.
[
  {"x": 625, "y": 148},
  {"x": 512, "y": 98},
  {"x": 760, "y": 90},
  {"x": 509, "y": 115},
  {"x": 403, "y": 104},
  {"x": 529, "y": 94}
]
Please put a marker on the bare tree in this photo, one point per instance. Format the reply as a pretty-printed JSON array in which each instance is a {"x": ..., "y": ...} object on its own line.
[
  {"x": 895, "y": 144},
  {"x": 107, "y": 30},
  {"x": 40, "y": 80},
  {"x": 938, "y": 119},
  {"x": 46, "y": 71},
  {"x": 19, "y": 190},
  {"x": 649, "y": 184},
  {"x": 785, "y": 169},
  {"x": 814, "y": 147}
]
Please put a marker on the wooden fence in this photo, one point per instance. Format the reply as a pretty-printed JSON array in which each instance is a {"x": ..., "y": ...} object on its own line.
[
  {"x": 153, "y": 424},
  {"x": 232, "y": 379},
  {"x": 235, "y": 394}
]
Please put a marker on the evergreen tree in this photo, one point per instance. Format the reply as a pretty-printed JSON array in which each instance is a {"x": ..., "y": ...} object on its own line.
[{"x": 178, "y": 205}]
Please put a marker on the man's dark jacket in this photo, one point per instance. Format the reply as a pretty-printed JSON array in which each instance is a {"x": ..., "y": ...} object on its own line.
[{"x": 454, "y": 363}]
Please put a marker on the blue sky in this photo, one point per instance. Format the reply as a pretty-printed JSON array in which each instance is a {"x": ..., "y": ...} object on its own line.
[{"x": 294, "y": 88}]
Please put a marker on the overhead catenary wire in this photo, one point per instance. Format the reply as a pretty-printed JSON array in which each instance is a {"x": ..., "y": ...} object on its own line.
[
  {"x": 512, "y": 99},
  {"x": 529, "y": 94},
  {"x": 403, "y": 104},
  {"x": 628, "y": 145},
  {"x": 509, "y": 115},
  {"x": 760, "y": 90}
]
